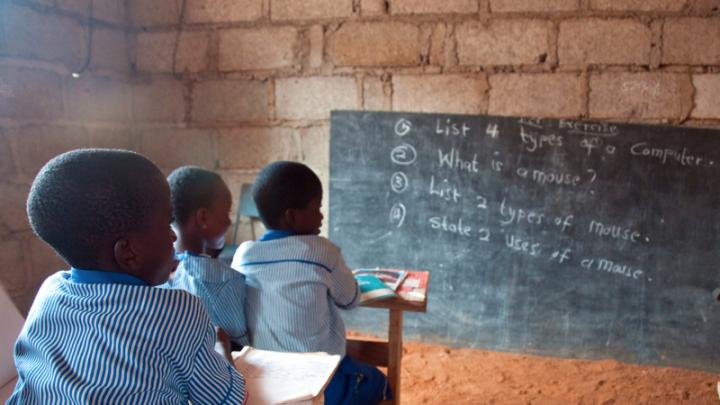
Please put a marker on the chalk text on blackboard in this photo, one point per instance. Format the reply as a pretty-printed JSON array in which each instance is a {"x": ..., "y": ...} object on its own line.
[
  {"x": 534, "y": 141},
  {"x": 589, "y": 128},
  {"x": 610, "y": 266},
  {"x": 613, "y": 231},
  {"x": 443, "y": 224},
  {"x": 403, "y": 127},
  {"x": 397, "y": 214},
  {"x": 511, "y": 215},
  {"x": 453, "y": 160},
  {"x": 522, "y": 245},
  {"x": 542, "y": 177},
  {"x": 404, "y": 154},
  {"x": 533, "y": 122},
  {"x": 448, "y": 127},
  {"x": 399, "y": 182},
  {"x": 663, "y": 154},
  {"x": 444, "y": 190}
]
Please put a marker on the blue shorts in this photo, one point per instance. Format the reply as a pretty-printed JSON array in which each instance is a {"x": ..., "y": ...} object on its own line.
[{"x": 357, "y": 383}]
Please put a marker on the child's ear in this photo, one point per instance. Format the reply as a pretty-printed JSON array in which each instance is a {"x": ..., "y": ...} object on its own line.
[
  {"x": 125, "y": 256},
  {"x": 201, "y": 217},
  {"x": 290, "y": 216}
]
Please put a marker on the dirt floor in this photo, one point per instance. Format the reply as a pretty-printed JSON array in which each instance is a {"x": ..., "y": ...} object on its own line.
[{"x": 433, "y": 374}]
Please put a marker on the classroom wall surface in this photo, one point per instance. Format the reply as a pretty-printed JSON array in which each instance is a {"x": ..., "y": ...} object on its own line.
[
  {"x": 45, "y": 111},
  {"x": 231, "y": 85}
]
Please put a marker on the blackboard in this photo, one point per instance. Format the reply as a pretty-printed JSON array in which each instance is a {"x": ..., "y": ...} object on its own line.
[{"x": 553, "y": 237}]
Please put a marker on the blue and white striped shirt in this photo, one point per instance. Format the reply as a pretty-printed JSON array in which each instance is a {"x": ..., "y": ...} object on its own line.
[
  {"x": 96, "y": 338},
  {"x": 220, "y": 288},
  {"x": 295, "y": 286}
]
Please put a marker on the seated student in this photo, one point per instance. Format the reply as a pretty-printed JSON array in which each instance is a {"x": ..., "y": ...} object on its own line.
[
  {"x": 100, "y": 333},
  {"x": 201, "y": 205},
  {"x": 296, "y": 281}
]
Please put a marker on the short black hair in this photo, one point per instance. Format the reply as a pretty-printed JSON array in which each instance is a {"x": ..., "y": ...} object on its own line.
[
  {"x": 192, "y": 188},
  {"x": 283, "y": 185},
  {"x": 83, "y": 201}
]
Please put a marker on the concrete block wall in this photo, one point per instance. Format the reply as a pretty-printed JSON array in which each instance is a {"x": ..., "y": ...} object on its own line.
[
  {"x": 258, "y": 78},
  {"x": 45, "y": 111},
  {"x": 233, "y": 84},
  {"x": 280, "y": 66}
]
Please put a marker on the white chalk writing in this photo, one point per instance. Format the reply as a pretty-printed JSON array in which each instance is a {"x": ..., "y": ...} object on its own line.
[
  {"x": 663, "y": 154},
  {"x": 448, "y": 127}
]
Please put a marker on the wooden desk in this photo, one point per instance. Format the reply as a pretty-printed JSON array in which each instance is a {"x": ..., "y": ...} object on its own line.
[{"x": 386, "y": 354}]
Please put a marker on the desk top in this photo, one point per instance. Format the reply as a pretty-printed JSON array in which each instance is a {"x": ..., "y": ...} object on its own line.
[{"x": 398, "y": 303}]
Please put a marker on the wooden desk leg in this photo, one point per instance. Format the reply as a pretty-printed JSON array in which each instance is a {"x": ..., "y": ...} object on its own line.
[{"x": 395, "y": 351}]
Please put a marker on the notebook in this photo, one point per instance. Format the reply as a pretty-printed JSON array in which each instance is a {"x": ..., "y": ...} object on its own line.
[{"x": 285, "y": 378}]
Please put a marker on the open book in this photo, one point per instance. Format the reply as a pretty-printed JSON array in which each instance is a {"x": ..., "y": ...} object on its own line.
[
  {"x": 284, "y": 378},
  {"x": 391, "y": 277},
  {"x": 379, "y": 283}
]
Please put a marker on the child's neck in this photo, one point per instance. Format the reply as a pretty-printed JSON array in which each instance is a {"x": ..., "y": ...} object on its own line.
[
  {"x": 194, "y": 244},
  {"x": 284, "y": 226}
]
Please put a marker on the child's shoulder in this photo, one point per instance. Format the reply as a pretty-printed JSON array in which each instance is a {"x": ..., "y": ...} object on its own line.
[
  {"x": 181, "y": 305},
  {"x": 317, "y": 248},
  {"x": 305, "y": 247},
  {"x": 165, "y": 305},
  {"x": 48, "y": 289},
  {"x": 177, "y": 297},
  {"x": 207, "y": 269},
  {"x": 321, "y": 243},
  {"x": 295, "y": 242},
  {"x": 54, "y": 280}
]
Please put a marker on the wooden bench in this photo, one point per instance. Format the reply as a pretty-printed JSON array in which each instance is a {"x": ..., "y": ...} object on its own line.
[{"x": 386, "y": 354}]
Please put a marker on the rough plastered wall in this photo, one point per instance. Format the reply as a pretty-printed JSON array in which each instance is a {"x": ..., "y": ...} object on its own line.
[
  {"x": 234, "y": 84},
  {"x": 45, "y": 111}
]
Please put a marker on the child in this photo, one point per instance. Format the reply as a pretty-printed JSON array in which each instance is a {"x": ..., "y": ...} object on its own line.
[
  {"x": 201, "y": 206},
  {"x": 297, "y": 281},
  {"x": 100, "y": 332}
]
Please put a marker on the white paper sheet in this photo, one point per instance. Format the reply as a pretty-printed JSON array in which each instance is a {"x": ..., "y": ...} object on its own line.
[{"x": 283, "y": 378}]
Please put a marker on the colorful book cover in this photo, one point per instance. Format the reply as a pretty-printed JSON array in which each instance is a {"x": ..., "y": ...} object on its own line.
[
  {"x": 414, "y": 287},
  {"x": 372, "y": 288},
  {"x": 391, "y": 277}
]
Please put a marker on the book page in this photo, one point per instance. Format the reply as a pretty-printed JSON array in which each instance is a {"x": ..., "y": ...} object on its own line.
[{"x": 277, "y": 377}]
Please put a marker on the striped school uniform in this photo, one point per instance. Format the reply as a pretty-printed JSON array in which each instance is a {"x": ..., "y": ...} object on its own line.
[
  {"x": 295, "y": 286},
  {"x": 220, "y": 288},
  {"x": 98, "y": 337}
]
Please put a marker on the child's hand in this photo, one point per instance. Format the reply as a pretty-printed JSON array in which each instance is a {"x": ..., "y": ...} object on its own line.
[{"x": 222, "y": 345}]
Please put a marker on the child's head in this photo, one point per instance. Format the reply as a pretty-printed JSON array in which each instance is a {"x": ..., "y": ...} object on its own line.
[
  {"x": 201, "y": 205},
  {"x": 105, "y": 209},
  {"x": 288, "y": 196}
]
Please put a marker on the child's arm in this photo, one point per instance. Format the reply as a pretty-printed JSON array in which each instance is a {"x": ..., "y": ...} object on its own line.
[
  {"x": 222, "y": 345},
  {"x": 343, "y": 288},
  {"x": 230, "y": 308},
  {"x": 213, "y": 380}
]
